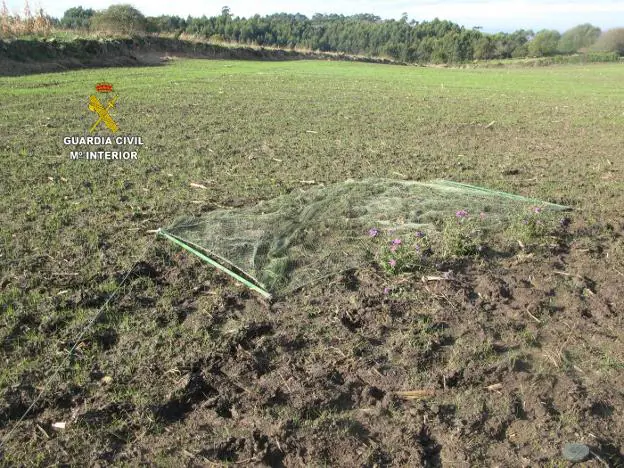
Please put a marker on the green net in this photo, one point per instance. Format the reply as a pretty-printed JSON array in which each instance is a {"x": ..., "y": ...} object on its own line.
[{"x": 290, "y": 241}]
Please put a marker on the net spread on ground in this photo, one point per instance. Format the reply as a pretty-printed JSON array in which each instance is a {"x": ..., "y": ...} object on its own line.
[{"x": 285, "y": 243}]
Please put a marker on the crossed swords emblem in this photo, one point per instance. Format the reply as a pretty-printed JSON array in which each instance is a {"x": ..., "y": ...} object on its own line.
[{"x": 103, "y": 116}]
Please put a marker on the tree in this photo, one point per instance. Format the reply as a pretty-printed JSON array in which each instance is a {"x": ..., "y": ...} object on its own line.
[
  {"x": 484, "y": 48},
  {"x": 611, "y": 41},
  {"x": 579, "y": 37},
  {"x": 77, "y": 18},
  {"x": 165, "y": 23},
  {"x": 121, "y": 19},
  {"x": 366, "y": 34},
  {"x": 544, "y": 43}
]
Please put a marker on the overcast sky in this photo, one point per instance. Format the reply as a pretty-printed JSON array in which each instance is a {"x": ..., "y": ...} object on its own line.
[{"x": 493, "y": 15}]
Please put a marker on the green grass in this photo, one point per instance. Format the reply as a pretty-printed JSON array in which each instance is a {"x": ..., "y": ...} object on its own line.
[
  {"x": 249, "y": 131},
  {"x": 227, "y": 123}
]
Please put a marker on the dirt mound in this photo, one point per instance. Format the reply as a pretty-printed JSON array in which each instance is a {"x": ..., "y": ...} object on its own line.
[{"x": 19, "y": 57}]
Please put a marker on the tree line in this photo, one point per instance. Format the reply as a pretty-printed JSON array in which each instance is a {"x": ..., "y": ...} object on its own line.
[{"x": 406, "y": 40}]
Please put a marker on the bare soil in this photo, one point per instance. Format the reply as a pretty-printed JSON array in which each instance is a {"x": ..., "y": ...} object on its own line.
[{"x": 496, "y": 357}]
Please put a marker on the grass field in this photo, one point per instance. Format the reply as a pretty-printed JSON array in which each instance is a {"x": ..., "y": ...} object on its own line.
[{"x": 185, "y": 366}]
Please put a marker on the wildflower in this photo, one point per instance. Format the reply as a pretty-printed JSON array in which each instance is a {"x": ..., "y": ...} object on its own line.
[
  {"x": 537, "y": 210},
  {"x": 392, "y": 262},
  {"x": 372, "y": 232},
  {"x": 420, "y": 234},
  {"x": 565, "y": 222},
  {"x": 396, "y": 242},
  {"x": 482, "y": 215},
  {"x": 393, "y": 248},
  {"x": 417, "y": 247},
  {"x": 461, "y": 214},
  {"x": 386, "y": 290}
]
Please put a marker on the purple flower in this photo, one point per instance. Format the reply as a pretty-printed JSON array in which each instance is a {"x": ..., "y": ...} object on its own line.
[
  {"x": 417, "y": 247},
  {"x": 420, "y": 234},
  {"x": 394, "y": 248},
  {"x": 461, "y": 214},
  {"x": 564, "y": 222},
  {"x": 482, "y": 215},
  {"x": 537, "y": 210},
  {"x": 386, "y": 290},
  {"x": 392, "y": 262},
  {"x": 372, "y": 232},
  {"x": 396, "y": 242}
]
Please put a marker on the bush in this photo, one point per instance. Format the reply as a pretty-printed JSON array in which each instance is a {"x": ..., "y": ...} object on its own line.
[
  {"x": 120, "y": 19},
  {"x": 611, "y": 41},
  {"x": 590, "y": 57},
  {"x": 77, "y": 18},
  {"x": 24, "y": 25},
  {"x": 579, "y": 37},
  {"x": 216, "y": 38},
  {"x": 535, "y": 226},
  {"x": 400, "y": 254},
  {"x": 520, "y": 51},
  {"x": 544, "y": 43},
  {"x": 462, "y": 235}
]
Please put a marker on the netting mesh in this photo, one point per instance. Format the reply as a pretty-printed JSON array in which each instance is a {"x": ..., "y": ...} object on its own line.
[{"x": 293, "y": 240}]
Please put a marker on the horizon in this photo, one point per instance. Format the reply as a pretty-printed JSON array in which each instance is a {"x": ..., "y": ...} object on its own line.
[{"x": 491, "y": 16}]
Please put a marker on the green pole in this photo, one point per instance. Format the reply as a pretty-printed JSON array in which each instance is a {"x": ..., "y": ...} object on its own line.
[
  {"x": 217, "y": 265},
  {"x": 458, "y": 185}
]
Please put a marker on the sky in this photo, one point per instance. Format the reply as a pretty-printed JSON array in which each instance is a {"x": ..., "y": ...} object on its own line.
[{"x": 491, "y": 15}]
